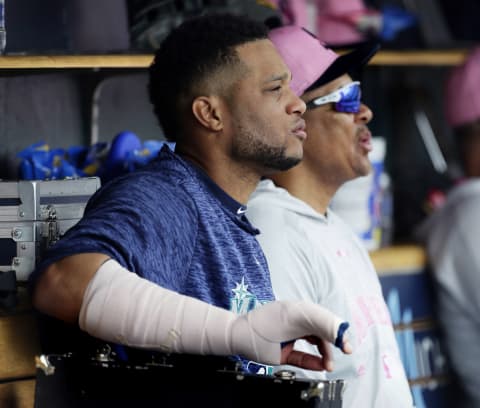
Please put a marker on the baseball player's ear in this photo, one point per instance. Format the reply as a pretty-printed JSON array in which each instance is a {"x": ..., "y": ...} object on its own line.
[{"x": 207, "y": 111}]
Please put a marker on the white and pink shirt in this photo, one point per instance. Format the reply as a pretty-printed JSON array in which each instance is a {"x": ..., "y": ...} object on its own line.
[{"x": 317, "y": 257}]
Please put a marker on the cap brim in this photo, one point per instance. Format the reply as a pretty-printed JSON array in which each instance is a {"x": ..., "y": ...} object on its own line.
[{"x": 347, "y": 63}]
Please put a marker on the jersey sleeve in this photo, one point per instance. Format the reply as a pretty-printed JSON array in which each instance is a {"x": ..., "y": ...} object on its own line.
[{"x": 146, "y": 225}]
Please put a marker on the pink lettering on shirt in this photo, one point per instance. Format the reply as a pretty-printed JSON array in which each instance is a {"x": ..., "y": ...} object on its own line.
[
  {"x": 361, "y": 370},
  {"x": 386, "y": 366},
  {"x": 369, "y": 311}
]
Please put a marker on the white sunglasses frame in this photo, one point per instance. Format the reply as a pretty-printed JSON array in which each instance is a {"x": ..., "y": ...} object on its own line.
[{"x": 332, "y": 97}]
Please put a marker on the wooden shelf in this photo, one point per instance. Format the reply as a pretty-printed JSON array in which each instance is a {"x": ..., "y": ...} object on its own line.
[
  {"x": 383, "y": 58},
  {"x": 402, "y": 259},
  {"x": 419, "y": 57},
  {"x": 74, "y": 61}
]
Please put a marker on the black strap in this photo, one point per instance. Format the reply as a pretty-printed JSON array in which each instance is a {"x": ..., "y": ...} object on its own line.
[{"x": 8, "y": 290}]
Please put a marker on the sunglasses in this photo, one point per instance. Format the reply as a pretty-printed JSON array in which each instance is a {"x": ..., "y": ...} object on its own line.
[{"x": 345, "y": 99}]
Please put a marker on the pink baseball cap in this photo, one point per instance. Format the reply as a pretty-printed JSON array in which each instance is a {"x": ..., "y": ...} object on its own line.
[
  {"x": 313, "y": 64},
  {"x": 336, "y": 21},
  {"x": 462, "y": 99}
]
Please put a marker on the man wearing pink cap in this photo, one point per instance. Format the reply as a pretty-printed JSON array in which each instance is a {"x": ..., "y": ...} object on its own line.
[
  {"x": 451, "y": 234},
  {"x": 311, "y": 252}
]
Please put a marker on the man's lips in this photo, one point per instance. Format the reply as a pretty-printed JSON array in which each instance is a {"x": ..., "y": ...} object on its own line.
[
  {"x": 299, "y": 130},
  {"x": 365, "y": 140}
]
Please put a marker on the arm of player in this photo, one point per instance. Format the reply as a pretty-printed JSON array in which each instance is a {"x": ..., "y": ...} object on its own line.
[{"x": 120, "y": 306}]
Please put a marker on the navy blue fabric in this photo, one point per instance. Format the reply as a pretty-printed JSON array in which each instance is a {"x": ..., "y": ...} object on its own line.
[{"x": 170, "y": 224}]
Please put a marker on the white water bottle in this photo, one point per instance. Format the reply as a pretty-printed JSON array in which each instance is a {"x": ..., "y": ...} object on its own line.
[{"x": 3, "y": 31}]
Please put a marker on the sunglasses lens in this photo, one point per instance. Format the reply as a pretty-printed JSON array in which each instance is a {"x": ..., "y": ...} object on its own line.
[{"x": 351, "y": 99}]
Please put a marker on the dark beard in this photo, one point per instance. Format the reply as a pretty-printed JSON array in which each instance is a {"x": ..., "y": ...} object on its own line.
[
  {"x": 271, "y": 158},
  {"x": 268, "y": 157},
  {"x": 275, "y": 159}
]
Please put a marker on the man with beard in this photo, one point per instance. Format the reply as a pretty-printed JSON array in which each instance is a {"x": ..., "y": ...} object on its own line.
[
  {"x": 161, "y": 253},
  {"x": 311, "y": 253}
]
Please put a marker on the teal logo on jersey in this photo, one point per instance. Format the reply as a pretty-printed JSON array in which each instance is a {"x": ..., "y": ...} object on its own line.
[{"x": 243, "y": 301}]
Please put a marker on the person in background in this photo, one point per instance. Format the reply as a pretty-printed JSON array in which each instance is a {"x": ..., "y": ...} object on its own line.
[
  {"x": 451, "y": 232},
  {"x": 347, "y": 22},
  {"x": 311, "y": 253},
  {"x": 164, "y": 258}
]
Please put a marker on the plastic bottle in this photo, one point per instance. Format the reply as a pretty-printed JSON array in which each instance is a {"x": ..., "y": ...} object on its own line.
[
  {"x": 3, "y": 31},
  {"x": 358, "y": 201}
]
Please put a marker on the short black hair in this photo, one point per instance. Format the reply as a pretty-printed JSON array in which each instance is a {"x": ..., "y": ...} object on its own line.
[{"x": 189, "y": 55}]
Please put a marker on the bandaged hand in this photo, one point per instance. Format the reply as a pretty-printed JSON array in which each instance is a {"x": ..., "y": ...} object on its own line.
[
  {"x": 119, "y": 306},
  {"x": 264, "y": 329}
]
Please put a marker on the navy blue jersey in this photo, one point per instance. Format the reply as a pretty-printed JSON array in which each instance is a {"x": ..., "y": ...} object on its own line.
[{"x": 172, "y": 225}]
